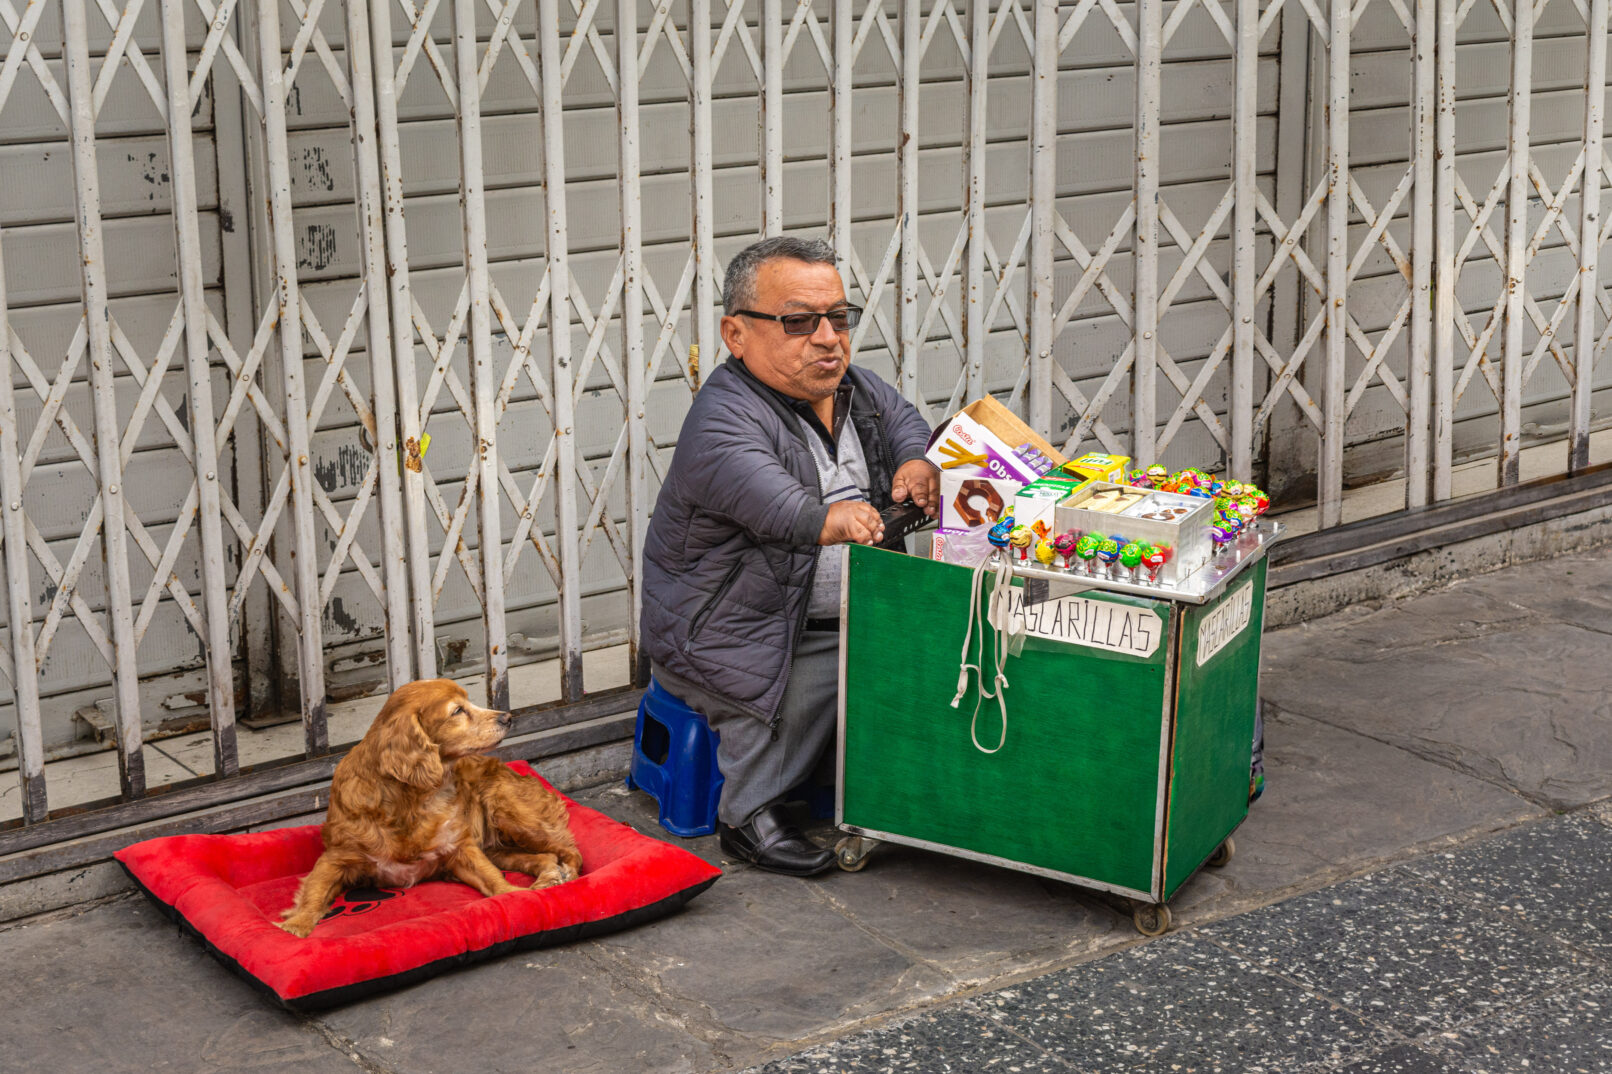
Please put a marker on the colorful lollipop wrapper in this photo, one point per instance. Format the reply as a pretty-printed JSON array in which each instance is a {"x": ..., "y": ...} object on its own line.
[
  {"x": 1131, "y": 555},
  {"x": 1064, "y": 544},
  {"x": 998, "y": 536},
  {"x": 1086, "y": 548},
  {"x": 1108, "y": 550}
]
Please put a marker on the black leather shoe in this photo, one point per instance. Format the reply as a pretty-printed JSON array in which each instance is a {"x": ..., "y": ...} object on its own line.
[{"x": 770, "y": 842}]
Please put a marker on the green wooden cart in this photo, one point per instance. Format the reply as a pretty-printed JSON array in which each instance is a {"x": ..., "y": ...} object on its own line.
[{"x": 1130, "y": 715}]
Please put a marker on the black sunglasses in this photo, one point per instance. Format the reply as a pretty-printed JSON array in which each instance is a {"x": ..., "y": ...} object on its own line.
[{"x": 804, "y": 324}]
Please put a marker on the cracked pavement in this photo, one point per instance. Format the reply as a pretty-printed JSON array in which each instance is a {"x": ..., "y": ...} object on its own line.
[{"x": 1423, "y": 889}]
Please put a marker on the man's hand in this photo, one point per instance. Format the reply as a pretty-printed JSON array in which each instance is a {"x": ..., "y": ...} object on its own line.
[
  {"x": 919, "y": 481},
  {"x": 852, "y": 522}
]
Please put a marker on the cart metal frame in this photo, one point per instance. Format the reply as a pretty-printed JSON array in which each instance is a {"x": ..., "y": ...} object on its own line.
[{"x": 1151, "y": 912}]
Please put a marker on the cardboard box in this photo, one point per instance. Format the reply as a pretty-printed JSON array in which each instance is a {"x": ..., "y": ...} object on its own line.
[
  {"x": 1097, "y": 466},
  {"x": 969, "y": 502},
  {"x": 1036, "y": 503},
  {"x": 986, "y": 440}
]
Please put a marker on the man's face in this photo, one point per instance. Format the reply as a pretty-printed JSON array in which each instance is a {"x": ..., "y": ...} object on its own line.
[{"x": 802, "y": 367}]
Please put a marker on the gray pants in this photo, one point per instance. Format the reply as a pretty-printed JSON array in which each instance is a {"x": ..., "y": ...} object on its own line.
[{"x": 757, "y": 771}]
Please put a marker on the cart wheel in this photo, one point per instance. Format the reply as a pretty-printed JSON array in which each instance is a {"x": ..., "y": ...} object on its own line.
[
  {"x": 1222, "y": 855},
  {"x": 852, "y": 853},
  {"x": 1151, "y": 919}
]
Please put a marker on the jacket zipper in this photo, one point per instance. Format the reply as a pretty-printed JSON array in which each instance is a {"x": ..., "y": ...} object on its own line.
[
  {"x": 884, "y": 450},
  {"x": 887, "y": 455},
  {"x": 704, "y": 613},
  {"x": 805, "y": 606}
]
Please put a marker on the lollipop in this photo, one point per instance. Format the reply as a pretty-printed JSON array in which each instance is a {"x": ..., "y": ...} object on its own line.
[
  {"x": 1086, "y": 548},
  {"x": 1044, "y": 553},
  {"x": 998, "y": 536},
  {"x": 1154, "y": 559},
  {"x": 1108, "y": 552},
  {"x": 1064, "y": 545},
  {"x": 1130, "y": 557},
  {"x": 1157, "y": 474},
  {"x": 1140, "y": 479},
  {"x": 1020, "y": 538}
]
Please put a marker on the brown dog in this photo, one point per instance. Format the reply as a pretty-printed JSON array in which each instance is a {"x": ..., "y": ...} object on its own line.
[{"x": 412, "y": 801}]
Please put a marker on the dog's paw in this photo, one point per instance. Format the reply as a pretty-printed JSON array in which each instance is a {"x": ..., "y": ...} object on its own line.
[
  {"x": 554, "y": 874},
  {"x": 300, "y": 929}
]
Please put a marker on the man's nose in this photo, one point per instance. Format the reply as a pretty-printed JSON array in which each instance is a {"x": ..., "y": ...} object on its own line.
[{"x": 824, "y": 333}]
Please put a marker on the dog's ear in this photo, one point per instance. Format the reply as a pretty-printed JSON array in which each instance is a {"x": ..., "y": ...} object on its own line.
[{"x": 408, "y": 754}]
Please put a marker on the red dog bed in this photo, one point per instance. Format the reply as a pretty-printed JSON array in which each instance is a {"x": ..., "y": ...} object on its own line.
[{"x": 229, "y": 891}]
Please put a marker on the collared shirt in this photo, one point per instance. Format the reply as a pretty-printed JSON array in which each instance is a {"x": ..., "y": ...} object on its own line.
[{"x": 843, "y": 476}]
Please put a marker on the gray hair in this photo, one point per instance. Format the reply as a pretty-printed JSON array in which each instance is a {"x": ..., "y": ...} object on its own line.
[{"x": 739, "y": 285}]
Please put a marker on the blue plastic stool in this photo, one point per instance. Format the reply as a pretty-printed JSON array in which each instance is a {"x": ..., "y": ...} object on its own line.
[{"x": 674, "y": 760}]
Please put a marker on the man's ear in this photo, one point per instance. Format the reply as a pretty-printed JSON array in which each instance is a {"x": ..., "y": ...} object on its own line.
[
  {"x": 732, "y": 329},
  {"x": 409, "y": 756}
]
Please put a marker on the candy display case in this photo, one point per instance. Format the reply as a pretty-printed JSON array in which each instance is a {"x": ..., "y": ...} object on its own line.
[
  {"x": 1121, "y": 759},
  {"x": 1164, "y": 519}
]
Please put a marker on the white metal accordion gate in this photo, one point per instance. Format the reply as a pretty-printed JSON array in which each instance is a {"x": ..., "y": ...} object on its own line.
[{"x": 346, "y": 336}]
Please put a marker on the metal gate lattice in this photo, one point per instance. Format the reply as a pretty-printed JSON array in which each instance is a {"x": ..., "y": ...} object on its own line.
[{"x": 1138, "y": 270}]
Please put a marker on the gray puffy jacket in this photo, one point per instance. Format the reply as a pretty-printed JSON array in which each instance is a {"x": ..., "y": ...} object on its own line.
[{"x": 732, "y": 546}]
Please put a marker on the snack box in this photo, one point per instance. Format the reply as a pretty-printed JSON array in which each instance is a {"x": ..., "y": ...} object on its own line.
[
  {"x": 1036, "y": 505},
  {"x": 969, "y": 501},
  {"x": 985, "y": 439},
  {"x": 1096, "y": 466},
  {"x": 970, "y": 504},
  {"x": 1135, "y": 514}
]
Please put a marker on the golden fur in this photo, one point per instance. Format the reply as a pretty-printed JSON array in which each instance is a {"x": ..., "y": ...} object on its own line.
[{"x": 414, "y": 800}]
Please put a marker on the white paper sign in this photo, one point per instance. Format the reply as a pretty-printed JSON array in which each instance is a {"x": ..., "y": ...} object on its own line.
[
  {"x": 1077, "y": 620},
  {"x": 1220, "y": 626}
]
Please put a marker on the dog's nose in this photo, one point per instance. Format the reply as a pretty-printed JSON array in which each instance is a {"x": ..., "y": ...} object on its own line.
[{"x": 506, "y": 719}]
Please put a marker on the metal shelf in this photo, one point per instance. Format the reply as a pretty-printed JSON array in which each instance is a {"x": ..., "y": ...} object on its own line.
[{"x": 1200, "y": 587}]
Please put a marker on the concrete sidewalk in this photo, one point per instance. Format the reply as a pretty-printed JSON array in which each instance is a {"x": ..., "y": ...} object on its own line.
[{"x": 1426, "y": 887}]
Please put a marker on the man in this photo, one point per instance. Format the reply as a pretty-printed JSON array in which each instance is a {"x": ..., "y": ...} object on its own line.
[{"x": 786, "y": 453}]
